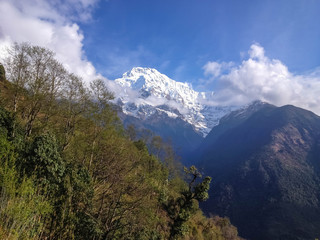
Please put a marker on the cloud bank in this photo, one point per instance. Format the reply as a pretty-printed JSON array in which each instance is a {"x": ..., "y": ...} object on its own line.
[
  {"x": 49, "y": 24},
  {"x": 265, "y": 79}
]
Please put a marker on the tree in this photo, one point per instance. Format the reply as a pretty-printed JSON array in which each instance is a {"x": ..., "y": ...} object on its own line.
[
  {"x": 45, "y": 161},
  {"x": 7, "y": 122},
  {"x": 57, "y": 78},
  {"x": 23, "y": 206},
  {"x": 131, "y": 132},
  {"x": 38, "y": 84},
  {"x": 99, "y": 112},
  {"x": 37, "y": 79},
  {"x": 73, "y": 104},
  {"x": 2, "y": 73},
  {"x": 181, "y": 209},
  {"x": 17, "y": 65}
]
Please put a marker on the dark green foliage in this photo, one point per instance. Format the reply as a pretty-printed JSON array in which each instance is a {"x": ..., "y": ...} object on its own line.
[
  {"x": 2, "y": 73},
  {"x": 140, "y": 145},
  {"x": 86, "y": 227},
  {"x": 181, "y": 209},
  {"x": 6, "y": 123},
  {"x": 45, "y": 161},
  {"x": 201, "y": 190},
  {"x": 82, "y": 192},
  {"x": 23, "y": 207},
  {"x": 10, "y": 130}
]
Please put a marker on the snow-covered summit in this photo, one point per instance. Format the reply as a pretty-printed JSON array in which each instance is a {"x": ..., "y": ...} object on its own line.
[
  {"x": 151, "y": 82},
  {"x": 145, "y": 91}
]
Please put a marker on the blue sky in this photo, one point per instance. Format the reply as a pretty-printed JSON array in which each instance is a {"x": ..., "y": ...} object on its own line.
[
  {"x": 242, "y": 50},
  {"x": 179, "y": 37}
]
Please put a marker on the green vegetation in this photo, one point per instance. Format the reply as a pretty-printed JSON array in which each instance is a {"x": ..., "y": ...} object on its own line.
[
  {"x": 70, "y": 171},
  {"x": 2, "y": 73}
]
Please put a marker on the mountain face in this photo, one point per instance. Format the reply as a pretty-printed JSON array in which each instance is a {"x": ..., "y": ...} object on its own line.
[
  {"x": 146, "y": 92},
  {"x": 173, "y": 110},
  {"x": 265, "y": 164},
  {"x": 180, "y": 134}
]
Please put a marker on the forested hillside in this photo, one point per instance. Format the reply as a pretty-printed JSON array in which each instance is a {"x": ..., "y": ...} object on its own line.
[{"x": 69, "y": 170}]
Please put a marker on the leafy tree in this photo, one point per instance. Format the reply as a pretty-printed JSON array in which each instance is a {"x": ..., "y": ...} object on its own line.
[
  {"x": 73, "y": 105},
  {"x": 38, "y": 84},
  {"x": 57, "y": 76},
  {"x": 45, "y": 161},
  {"x": 85, "y": 225},
  {"x": 182, "y": 208},
  {"x": 17, "y": 66},
  {"x": 23, "y": 207}
]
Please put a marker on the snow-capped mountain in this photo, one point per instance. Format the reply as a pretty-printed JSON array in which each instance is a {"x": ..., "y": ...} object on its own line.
[{"x": 143, "y": 92}]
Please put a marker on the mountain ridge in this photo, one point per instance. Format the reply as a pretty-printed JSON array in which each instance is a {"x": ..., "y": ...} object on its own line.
[{"x": 266, "y": 168}]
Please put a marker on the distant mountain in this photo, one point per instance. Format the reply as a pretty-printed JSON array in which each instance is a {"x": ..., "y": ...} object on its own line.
[
  {"x": 178, "y": 133},
  {"x": 173, "y": 110},
  {"x": 265, "y": 164},
  {"x": 153, "y": 92}
]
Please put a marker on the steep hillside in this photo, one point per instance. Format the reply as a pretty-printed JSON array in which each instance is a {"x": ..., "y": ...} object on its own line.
[
  {"x": 265, "y": 162},
  {"x": 69, "y": 171}
]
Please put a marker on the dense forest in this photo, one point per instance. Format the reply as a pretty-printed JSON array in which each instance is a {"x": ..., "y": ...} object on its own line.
[{"x": 69, "y": 170}]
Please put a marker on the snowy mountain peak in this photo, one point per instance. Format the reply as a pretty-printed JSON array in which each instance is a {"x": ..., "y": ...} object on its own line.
[
  {"x": 158, "y": 84},
  {"x": 149, "y": 77},
  {"x": 146, "y": 91},
  {"x": 137, "y": 71}
]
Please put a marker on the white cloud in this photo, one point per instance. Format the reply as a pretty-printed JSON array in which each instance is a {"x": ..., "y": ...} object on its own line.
[
  {"x": 123, "y": 92},
  {"x": 49, "y": 24},
  {"x": 259, "y": 77},
  {"x": 257, "y": 52},
  {"x": 212, "y": 68},
  {"x": 215, "y": 69}
]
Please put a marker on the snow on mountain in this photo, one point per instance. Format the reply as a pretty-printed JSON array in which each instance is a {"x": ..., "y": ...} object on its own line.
[{"x": 142, "y": 92}]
